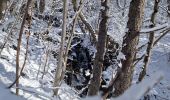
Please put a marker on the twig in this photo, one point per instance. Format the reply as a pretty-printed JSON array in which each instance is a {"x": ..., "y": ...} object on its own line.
[
  {"x": 161, "y": 36},
  {"x": 142, "y": 46},
  {"x": 157, "y": 28},
  {"x": 138, "y": 59}
]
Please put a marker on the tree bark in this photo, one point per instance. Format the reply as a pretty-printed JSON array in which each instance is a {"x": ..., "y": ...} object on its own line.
[
  {"x": 3, "y": 4},
  {"x": 19, "y": 44},
  {"x": 59, "y": 70},
  {"x": 150, "y": 43},
  {"x": 168, "y": 1},
  {"x": 129, "y": 48},
  {"x": 42, "y": 6},
  {"x": 101, "y": 44}
]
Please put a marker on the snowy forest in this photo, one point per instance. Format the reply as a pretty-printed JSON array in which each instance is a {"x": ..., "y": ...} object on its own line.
[{"x": 84, "y": 50}]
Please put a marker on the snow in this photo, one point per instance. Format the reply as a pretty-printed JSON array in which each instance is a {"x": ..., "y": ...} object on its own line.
[
  {"x": 34, "y": 87},
  {"x": 159, "y": 62},
  {"x": 5, "y": 93},
  {"x": 140, "y": 89}
]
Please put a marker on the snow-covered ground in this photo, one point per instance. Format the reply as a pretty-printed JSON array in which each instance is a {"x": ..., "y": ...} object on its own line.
[
  {"x": 160, "y": 62},
  {"x": 33, "y": 88},
  {"x": 32, "y": 85},
  {"x": 5, "y": 93}
]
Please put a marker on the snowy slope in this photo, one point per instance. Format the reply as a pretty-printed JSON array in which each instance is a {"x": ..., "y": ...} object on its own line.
[
  {"x": 160, "y": 61},
  {"x": 5, "y": 93}
]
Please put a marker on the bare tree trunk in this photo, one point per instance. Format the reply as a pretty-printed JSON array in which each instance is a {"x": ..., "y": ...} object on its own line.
[
  {"x": 150, "y": 43},
  {"x": 26, "y": 53},
  {"x": 69, "y": 42},
  {"x": 101, "y": 44},
  {"x": 58, "y": 75},
  {"x": 19, "y": 44},
  {"x": 70, "y": 38},
  {"x": 35, "y": 6},
  {"x": 168, "y": 1},
  {"x": 46, "y": 61},
  {"x": 42, "y": 6},
  {"x": 3, "y": 5},
  {"x": 129, "y": 49},
  {"x": 25, "y": 59}
]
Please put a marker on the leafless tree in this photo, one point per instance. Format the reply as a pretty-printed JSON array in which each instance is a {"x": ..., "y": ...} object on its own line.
[
  {"x": 3, "y": 5},
  {"x": 129, "y": 49},
  {"x": 101, "y": 45},
  {"x": 19, "y": 44},
  {"x": 59, "y": 70},
  {"x": 150, "y": 43}
]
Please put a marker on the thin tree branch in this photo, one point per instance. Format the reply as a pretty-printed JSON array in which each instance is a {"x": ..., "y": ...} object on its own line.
[
  {"x": 161, "y": 36},
  {"x": 84, "y": 20},
  {"x": 153, "y": 29},
  {"x": 142, "y": 46},
  {"x": 150, "y": 43}
]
